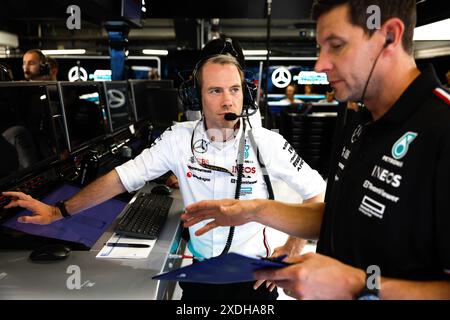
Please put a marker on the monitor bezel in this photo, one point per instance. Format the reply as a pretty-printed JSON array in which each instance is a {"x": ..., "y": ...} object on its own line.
[
  {"x": 89, "y": 142},
  {"x": 19, "y": 175},
  {"x": 130, "y": 107}
]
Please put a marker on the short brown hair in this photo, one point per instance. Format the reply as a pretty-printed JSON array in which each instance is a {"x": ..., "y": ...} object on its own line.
[
  {"x": 39, "y": 53},
  {"x": 221, "y": 59},
  {"x": 405, "y": 10}
]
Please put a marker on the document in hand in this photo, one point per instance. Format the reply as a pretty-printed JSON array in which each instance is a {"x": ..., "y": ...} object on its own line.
[{"x": 228, "y": 268}]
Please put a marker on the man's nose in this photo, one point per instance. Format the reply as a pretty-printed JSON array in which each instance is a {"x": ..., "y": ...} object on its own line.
[
  {"x": 227, "y": 99},
  {"x": 323, "y": 64}
]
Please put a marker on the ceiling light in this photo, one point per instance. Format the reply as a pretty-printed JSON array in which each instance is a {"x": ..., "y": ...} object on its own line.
[
  {"x": 255, "y": 52},
  {"x": 439, "y": 30},
  {"x": 64, "y": 51},
  {"x": 155, "y": 52}
]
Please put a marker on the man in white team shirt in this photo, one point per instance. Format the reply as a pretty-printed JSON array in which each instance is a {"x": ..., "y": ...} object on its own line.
[{"x": 207, "y": 170}]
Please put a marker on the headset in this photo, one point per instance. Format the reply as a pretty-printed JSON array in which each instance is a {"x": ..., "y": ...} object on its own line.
[
  {"x": 189, "y": 91},
  {"x": 389, "y": 40},
  {"x": 44, "y": 67}
]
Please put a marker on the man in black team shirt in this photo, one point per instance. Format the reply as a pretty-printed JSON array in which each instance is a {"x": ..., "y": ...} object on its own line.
[{"x": 384, "y": 229}]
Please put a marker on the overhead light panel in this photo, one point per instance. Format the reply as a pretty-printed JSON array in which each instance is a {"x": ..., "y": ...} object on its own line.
[
  {"x": 64, "y": 51},
  {"x": 255, "y": 52},
  {"x": 439, "y": 30},
  {"x": 155, "y": 52}
]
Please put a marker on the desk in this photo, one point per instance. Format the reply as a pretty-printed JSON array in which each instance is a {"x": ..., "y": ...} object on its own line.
[{"x": 99, "y": 278}]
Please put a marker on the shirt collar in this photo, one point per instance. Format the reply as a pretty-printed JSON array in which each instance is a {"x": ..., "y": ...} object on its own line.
[
  {"x": 412, "y": 98},
  {"x": 202, "y": 131}
]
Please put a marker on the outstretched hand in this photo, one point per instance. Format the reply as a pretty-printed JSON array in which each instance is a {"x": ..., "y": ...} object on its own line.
[
  {"x": 228, "y": 212},
  {"x": 315, "y": 276},
  {"x": 42, "y": 213}
]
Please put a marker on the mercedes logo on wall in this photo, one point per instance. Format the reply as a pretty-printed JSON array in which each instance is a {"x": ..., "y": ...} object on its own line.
[
  {"x": 116, "y": 98},
  {"x": 281, "y": 77}
]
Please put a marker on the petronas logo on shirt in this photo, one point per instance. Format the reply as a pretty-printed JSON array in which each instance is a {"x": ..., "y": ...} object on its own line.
[{"x": 400, "y": 148}]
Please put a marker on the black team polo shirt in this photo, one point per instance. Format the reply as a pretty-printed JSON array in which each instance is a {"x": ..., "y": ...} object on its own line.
[{"x": 390, "y": 200}]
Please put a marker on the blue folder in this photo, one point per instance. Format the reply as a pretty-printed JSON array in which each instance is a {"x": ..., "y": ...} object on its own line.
[{"x": 228, "y": 268}]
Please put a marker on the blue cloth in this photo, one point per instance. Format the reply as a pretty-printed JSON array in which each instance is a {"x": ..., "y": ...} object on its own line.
[{"x": 85, "y": 227}]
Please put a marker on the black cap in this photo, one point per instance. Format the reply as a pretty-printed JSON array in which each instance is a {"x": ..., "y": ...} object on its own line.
[{"x": 223, "y": 45}]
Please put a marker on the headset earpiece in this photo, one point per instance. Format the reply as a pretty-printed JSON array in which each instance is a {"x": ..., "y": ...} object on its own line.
[
  {"x": 44, "y": 69},
  {"x": 189, "y": 95},
  {"x": 389, "y": 39}
]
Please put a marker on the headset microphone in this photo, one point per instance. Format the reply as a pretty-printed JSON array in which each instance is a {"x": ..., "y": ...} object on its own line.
[
  {"x": 389, "y": 40},
  {"x": 229, "y": 116}
]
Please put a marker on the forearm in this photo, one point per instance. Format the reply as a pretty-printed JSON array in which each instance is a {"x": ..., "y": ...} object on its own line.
[
  {"x": 303, "y": 221},
  {"x": 394, "y": 289},
  {"x": 98, "y": 191}
]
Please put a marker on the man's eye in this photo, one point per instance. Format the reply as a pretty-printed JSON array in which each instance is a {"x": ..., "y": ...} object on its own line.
[
  {"x": 235, "y": 90},
  {"x": 214, "y": 91}
]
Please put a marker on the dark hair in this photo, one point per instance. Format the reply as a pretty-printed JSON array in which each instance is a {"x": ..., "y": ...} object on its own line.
[
  {"x": 42, "y": 58},
  {"x": 405, "y": 10}
]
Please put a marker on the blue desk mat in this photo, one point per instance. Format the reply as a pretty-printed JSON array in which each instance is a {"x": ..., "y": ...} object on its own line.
[{"x": 86, "y": 227}]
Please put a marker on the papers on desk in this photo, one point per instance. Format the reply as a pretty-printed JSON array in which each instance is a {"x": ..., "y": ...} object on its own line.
[{"x": 122, "y": 247}]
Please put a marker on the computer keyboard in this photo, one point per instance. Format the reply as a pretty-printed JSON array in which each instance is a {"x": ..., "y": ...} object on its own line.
[{"x": 145, "y": 217}]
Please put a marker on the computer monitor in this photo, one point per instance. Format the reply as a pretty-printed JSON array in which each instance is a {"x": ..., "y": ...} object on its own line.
[
  {"x": 139, "y": 93},
  {"x": 27, "y": 127},
  {"x": 85, "y": 116},
  {"x": 119, "y": 109},
  {"x": 163, "y": 104}
]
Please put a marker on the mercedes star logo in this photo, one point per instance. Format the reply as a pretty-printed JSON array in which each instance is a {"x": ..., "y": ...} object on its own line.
[{"x": 281, "y": 77}]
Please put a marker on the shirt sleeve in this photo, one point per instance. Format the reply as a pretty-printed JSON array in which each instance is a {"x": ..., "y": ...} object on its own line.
[
  {"x": 283, "y": 162},
  {"x": 443, "y": 203},
  {"x": 150, "y": 164}
]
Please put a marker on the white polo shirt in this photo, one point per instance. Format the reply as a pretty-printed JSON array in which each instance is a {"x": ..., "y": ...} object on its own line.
[{"x": 172, "y": 151}]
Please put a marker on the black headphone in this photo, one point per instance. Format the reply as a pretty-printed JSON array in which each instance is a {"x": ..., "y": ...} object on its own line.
[
  {"x": 189, "y": 90},
  {"x": 389, "y": 39},
  {"x": 44, "y": 67}
]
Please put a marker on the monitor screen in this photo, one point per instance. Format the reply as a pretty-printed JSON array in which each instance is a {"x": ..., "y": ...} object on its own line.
[
  {"x": 132, "y": 12},
  {"x": 118, "y": 104},
  {"x": 139, "y": 92},
  {"x": 163, "y": 104},
  {"x": 27, "y": 128},
  {"x": 84, "y": 113}
]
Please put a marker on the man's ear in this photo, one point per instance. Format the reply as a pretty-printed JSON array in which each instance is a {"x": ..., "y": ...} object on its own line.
[{"x": 393, "y": 30}]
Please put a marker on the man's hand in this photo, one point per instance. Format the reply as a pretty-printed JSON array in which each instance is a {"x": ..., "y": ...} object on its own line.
[
  {"x": 228, "y": 212},
  {"x": 314, "y": 276},
  {"x": 42, "y": 213},
  {"x": 292, "y": 248}
]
